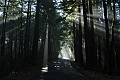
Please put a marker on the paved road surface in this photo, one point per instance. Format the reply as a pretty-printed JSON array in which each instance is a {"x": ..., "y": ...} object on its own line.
[{"x": 59, "y": 70}]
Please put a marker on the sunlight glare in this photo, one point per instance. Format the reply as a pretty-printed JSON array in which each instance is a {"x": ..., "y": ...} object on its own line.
[
  {"x": 66, "y": 53},
  {"x": 44, "y": 69}
]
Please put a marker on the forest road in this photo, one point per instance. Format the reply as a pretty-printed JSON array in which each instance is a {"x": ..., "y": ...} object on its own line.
[{"x": 58, "y": 70}]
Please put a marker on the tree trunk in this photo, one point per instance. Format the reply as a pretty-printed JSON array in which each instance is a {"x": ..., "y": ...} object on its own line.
[
  {"x": 87, "y": 36},
  {"x": 80, "y": 39},
  {"x": 75, "y": 46},
  {"x": 3, "y": 39},
  {"x": 106, "y": 65},
  {"x": 36, "y": 34},
  {"x": 92, "y": 39},
  {"x": 49, "y": 43},
  {"x": 99, "y": 52},
  {"x": 11, "y": 51},
  {"x": 112, "y": 52},
  {"x": 27, "y": 35}
]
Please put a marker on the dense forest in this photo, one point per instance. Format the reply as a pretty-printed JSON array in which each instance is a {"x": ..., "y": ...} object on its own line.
[{"x": 33, "y": 31}]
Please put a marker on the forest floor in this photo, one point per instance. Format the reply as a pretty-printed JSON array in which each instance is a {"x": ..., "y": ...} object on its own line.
[
  {"x": 94, "y": 75},
  {"x": 23, "y": 74},
  {"x": 26, "y": 73}
]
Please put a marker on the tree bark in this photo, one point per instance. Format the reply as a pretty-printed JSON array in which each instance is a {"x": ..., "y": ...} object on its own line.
[
  {"x": 27, "y": 36},
  {"x": 3, "y": 39},
  {"x": 86, "y": 32},
  {"x": 92, "y": 39},
  {"x": 36, "y": 34},
  {"x": 106, "y": 65},
  {"x": 80, "y": 39}
]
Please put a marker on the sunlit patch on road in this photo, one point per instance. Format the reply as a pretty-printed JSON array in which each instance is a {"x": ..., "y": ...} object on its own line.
[{"x": 44, "y": 69}]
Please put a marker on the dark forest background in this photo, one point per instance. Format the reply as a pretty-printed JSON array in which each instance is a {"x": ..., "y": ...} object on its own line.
[{"x": 90, "y": 27}]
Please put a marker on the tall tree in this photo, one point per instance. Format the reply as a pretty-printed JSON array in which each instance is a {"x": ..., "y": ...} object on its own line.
[
  {"x": 11, "y": 51},
  {"x": 36, "y": 34},
  {"x": 27, "y": 34},
  {"x": 112, "y": 50},
  {"x": 78, "y": 41},
  {"x": 86, "y": 30},
  {"x": 106, "y": 65},
  {"x": 75, "y": 46},
  {"x": 92, "y": 39},
  {"x": 3, "y": 38}
]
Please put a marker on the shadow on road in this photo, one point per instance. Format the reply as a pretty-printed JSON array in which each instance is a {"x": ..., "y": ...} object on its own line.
[{"x": 58, "y": 70}]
